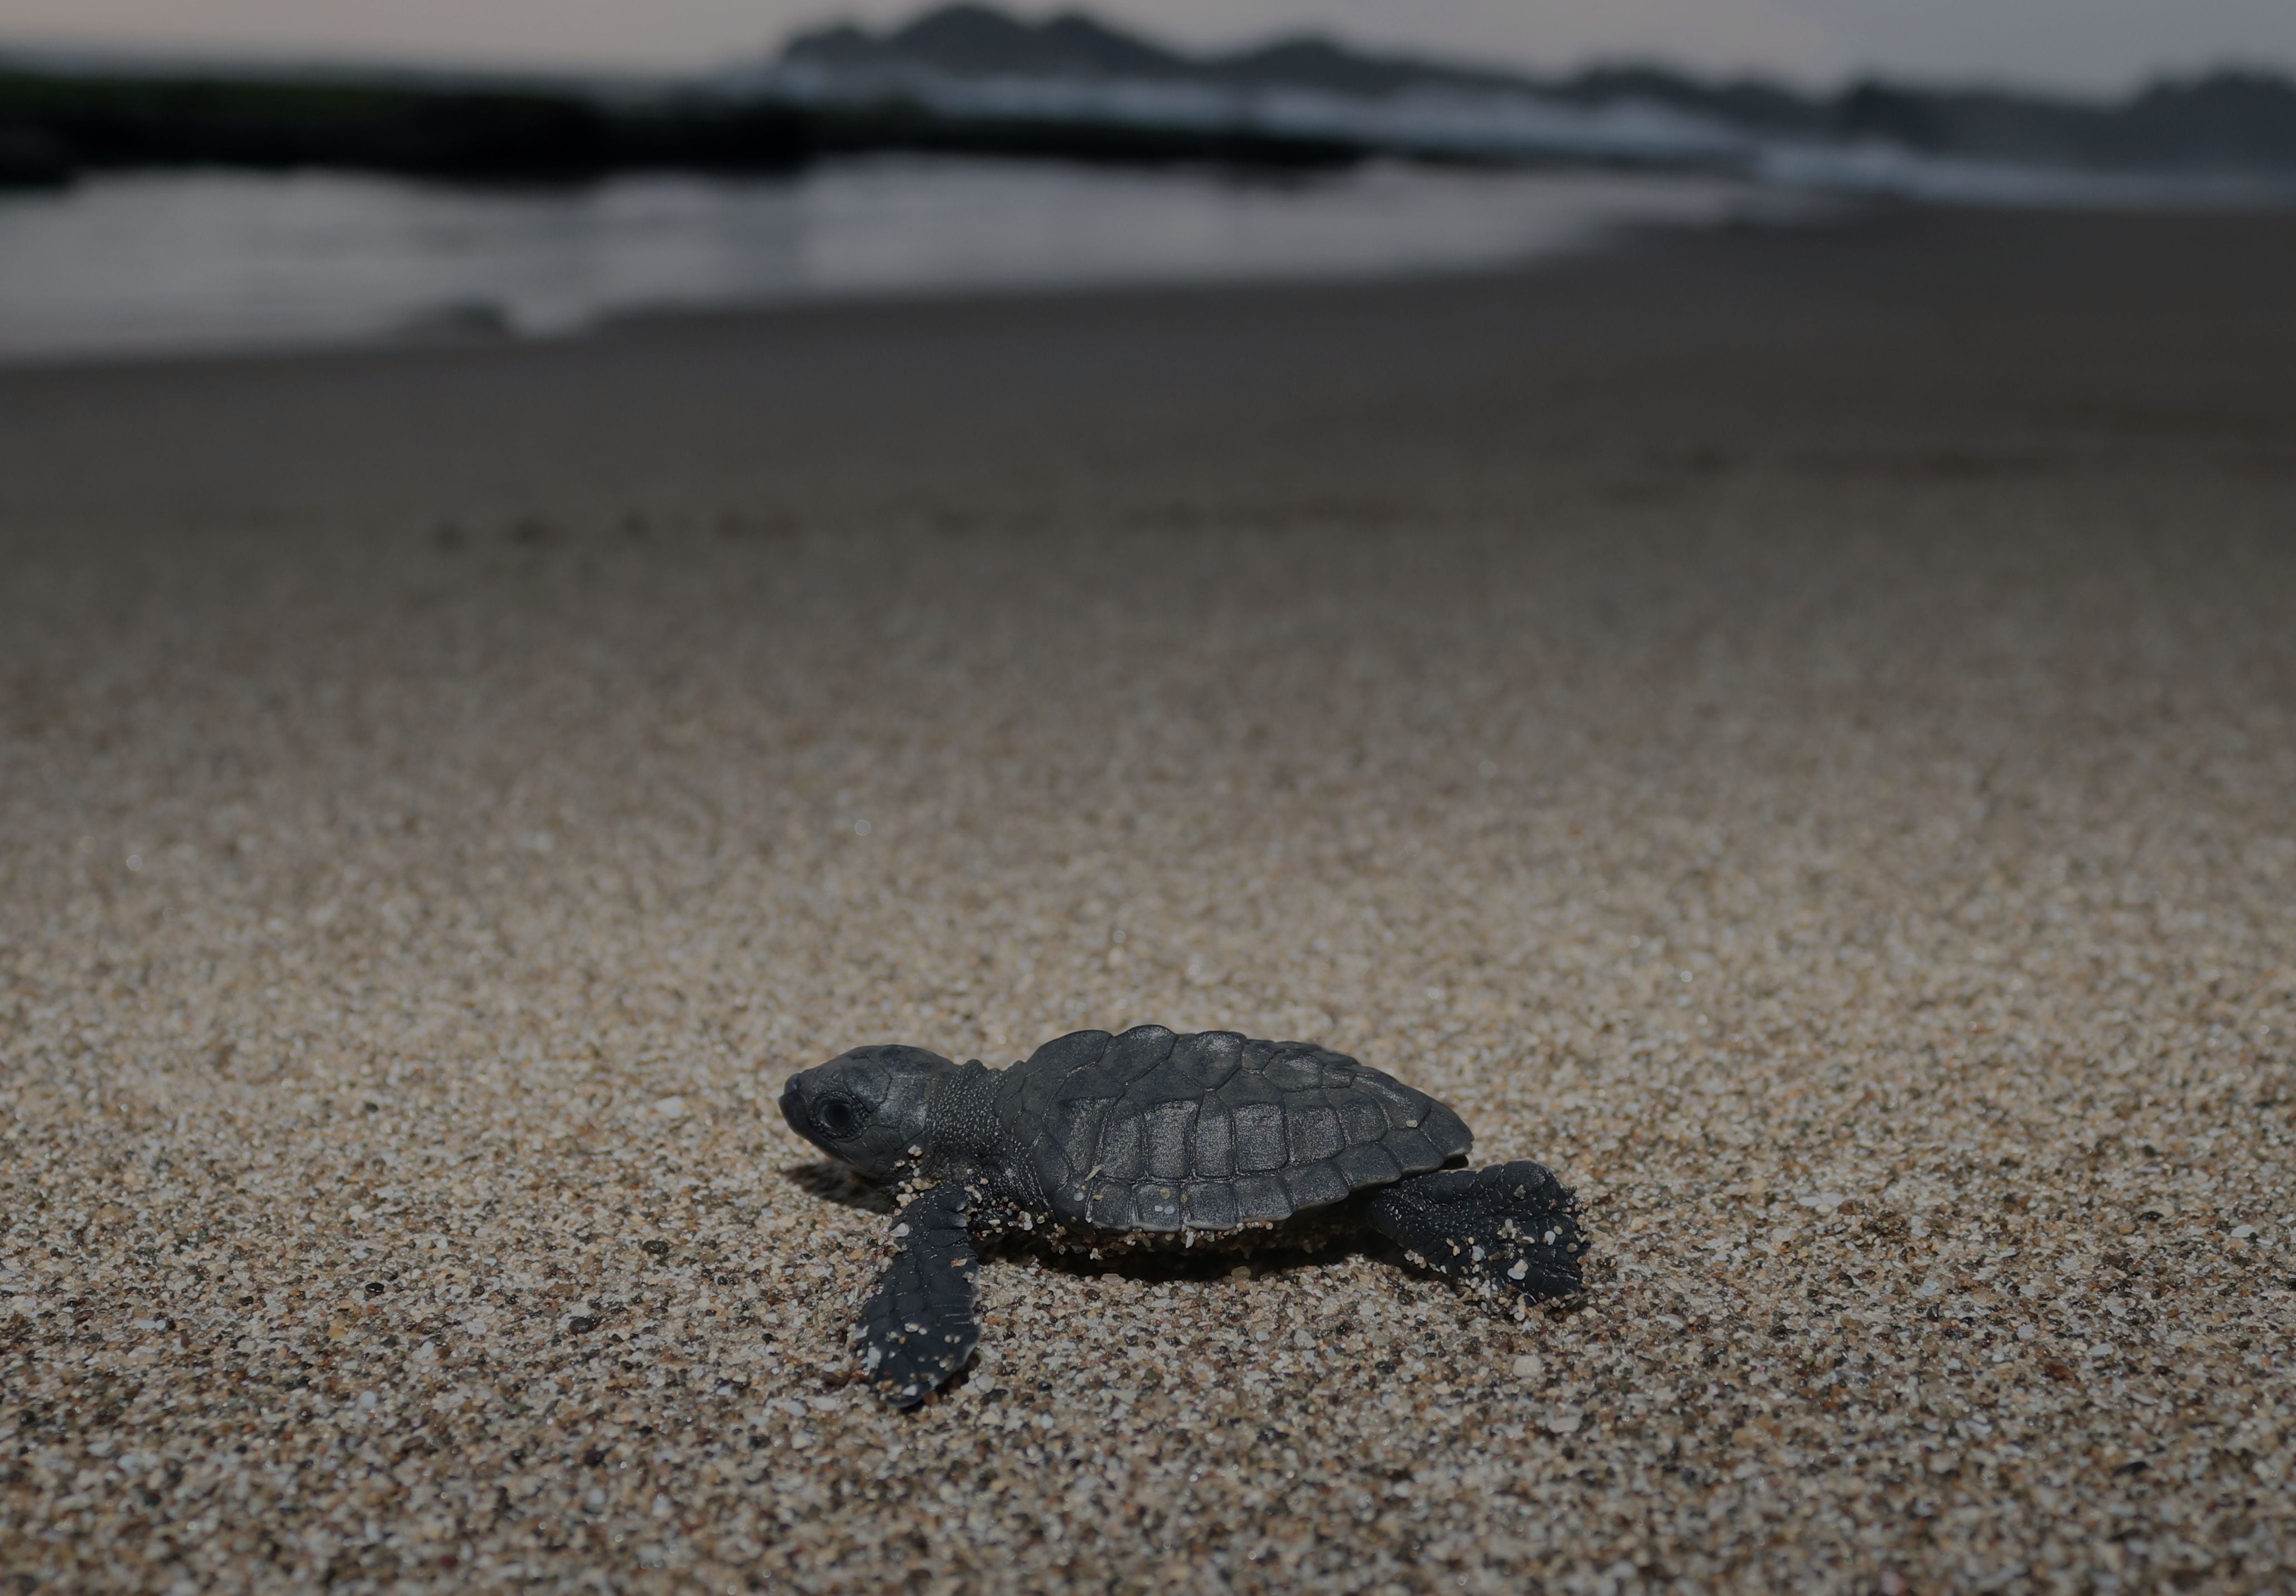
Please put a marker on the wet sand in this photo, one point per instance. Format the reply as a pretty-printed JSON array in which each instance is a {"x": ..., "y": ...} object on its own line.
[{"x": 1796, "y": 730}]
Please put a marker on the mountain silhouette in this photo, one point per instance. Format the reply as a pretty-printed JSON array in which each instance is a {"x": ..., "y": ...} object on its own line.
[{"x": 981, "y": 41}]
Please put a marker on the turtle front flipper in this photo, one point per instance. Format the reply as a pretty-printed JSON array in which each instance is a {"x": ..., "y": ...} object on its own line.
[
  {"x": 918, "y": 1330},
  {"x": 1513, "y": 1225}
]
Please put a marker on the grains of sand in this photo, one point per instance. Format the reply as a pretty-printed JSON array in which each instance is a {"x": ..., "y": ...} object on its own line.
[{"x": 1864, "y": 870}]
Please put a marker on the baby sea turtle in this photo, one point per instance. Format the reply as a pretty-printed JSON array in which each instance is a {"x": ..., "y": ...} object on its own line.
[{"x": 1151, "y": 1138}]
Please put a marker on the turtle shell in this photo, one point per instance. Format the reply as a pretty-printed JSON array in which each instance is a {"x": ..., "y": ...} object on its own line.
[{"x": 1151, "y": 1130}]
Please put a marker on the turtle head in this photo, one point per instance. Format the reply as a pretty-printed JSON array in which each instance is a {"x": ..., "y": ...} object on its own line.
[{"x": 869, "y": 1107}]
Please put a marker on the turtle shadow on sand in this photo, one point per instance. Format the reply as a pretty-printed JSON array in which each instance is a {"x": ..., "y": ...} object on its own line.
[
  {"x": 1200, "y": 1265},
  {"x": 832, "y": 1181},
  {"x": 841, "y": 1183},
  {"x": 1279, "y": 1260}
]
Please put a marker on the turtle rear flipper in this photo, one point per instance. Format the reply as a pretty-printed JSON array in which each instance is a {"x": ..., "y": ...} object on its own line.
[
  {"x": 1512, "y": 1225},
  {"x": 918, "y": 1330}
]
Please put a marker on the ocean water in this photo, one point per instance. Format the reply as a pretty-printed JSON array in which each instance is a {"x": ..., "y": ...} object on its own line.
[{"x": 175, "y": 262}]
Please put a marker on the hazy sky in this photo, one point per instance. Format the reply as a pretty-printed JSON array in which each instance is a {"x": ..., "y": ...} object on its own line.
[{"x": 2074, "y": 42}]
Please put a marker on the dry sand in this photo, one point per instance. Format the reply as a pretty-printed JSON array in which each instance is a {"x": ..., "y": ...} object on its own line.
[{"x": 1797, "y": 731}]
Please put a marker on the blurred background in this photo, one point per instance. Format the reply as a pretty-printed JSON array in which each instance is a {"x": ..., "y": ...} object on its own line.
[
  {"x": 246, "y": 172},
  {"x": 1710, "y": 581}
]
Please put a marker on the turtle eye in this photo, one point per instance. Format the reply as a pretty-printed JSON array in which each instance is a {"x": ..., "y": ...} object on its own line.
[{"x": 838, "y": 1116}]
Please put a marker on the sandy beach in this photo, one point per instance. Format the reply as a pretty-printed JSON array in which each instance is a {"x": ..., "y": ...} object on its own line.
[{"x": 1794, "y": 729}]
